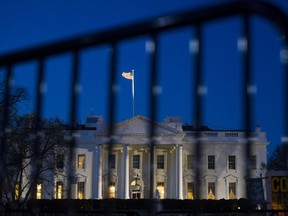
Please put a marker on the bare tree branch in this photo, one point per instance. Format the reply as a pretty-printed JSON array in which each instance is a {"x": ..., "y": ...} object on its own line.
[{"x": 20, "y": 154}]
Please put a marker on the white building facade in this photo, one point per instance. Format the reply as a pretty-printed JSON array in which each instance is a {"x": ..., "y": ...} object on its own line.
[{"x": 124, "y": 170}]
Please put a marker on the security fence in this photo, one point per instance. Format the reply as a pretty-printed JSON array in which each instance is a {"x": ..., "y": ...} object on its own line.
[{"x": 151, "y": 29}]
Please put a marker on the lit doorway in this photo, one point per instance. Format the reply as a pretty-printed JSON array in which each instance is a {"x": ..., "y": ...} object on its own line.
[
  {"x": 160, "y": 189},
  {"x": 136, "y": 188}
]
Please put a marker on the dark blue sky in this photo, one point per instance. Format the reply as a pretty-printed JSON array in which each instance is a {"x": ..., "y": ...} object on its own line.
[{"x": 33, "y": 22}]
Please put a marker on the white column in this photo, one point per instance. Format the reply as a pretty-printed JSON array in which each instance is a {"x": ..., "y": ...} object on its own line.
[
  {"x": 100, "y": 176},
  {"x": 179, "y": 172},
  {"x": 98, "y": 170},
  {"x": 153, "y": 166},
  {"x": 126, "y": 171}
]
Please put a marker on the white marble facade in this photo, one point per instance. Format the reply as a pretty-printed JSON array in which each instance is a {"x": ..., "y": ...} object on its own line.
[{"x": 125, "y": 172}]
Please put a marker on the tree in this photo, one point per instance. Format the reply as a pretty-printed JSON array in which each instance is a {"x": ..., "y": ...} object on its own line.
[
  {"x": 279, "y": 158},
  {"x": 19, "y": 171},
  {"x": 25, "y": 134},
  {"x": 17, "y": 95},
  {"x": 8, "y": 110}
]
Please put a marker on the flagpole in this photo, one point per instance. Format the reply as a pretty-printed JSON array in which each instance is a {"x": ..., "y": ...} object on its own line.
[
  {"x": 133, "y": 91},
  {"x": 130, "y": 76}
]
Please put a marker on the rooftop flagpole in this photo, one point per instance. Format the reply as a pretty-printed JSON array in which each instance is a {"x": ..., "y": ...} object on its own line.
[
  {"x": 133, "y": 80},
  {"x": 130, "y": 76}
]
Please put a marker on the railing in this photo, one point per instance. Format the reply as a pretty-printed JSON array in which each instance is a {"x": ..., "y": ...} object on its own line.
[{"x": 151, "y": 29}]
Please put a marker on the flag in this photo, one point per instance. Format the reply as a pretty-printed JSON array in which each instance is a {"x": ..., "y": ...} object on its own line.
[{"x": 128, "y": 75}]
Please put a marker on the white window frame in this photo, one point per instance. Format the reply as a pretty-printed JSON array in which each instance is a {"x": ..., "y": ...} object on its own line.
[
  {"x": 84, "y": 163},
  {"x": 161, "y": 194},
  {"x": 115, "y": 164},
  {"x": 228, "y": 162},
  {"x": 193, "y": 190},
  {"x": 60, "y": 159},
  {"x": 228, "y": 186},
  {"x": 140, "y": 159},
  {"x": 214, "y": 166},
  {"x": 250, "y": 162},
  {"x": 62, "y": 190},
  {"x": 78, "y": 189},
  {"x": 110, "y": 186},
  {"x": 214, "y": 183},
  {"x": 164, "y": 162},
  {"x": 191, "y": 161}
]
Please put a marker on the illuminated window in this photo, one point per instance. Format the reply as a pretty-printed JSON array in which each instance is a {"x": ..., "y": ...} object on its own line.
[
  {"x": 232, "y": 190},
  {"x": 211, "y": 161},
  {"x": 160, "y": 162},
  {"x": 81, "y": 161},
  {"x": 136, "y": 161},
  {"x": 190, "y": 162},
  {"x": 231, "y": 162},
  {"x": 252, "y": 162},
  {"x": 60, "y": 161},
  {"x": 111, "y": 161},
  {"x": 160, "y": 189},
  {"x": 211, "y": 190},
  {"x": 111, "y": 190},
  {"x": 59, "y": 190},
  {"x": 38, "y": 191},
  {"x": 190, "y": 190},
  {"x": 80, "y": 190},
  {"x": 17, "y": 191}
]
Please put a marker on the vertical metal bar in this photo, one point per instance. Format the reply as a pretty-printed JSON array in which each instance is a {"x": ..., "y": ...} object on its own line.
[
  {"x": 73, "y": 118},
  {"x": 40, "y": 90},
  {"x": 112, "y": 87},
  {"x": 198, "y": 92},
  {"x": 4, "y": 125},
  {"x": 284, "y": 60},
  {"x": 36, "y": 160},
  {"x": 153, "y": 90},
  {"x": 112, "y": 95},
  {"x": 247, "y": 91}
]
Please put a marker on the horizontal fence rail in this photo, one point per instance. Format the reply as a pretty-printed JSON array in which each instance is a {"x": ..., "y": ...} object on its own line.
[
  {"x": 150, "y": 28},
  {"x": 192, "y": 17}
]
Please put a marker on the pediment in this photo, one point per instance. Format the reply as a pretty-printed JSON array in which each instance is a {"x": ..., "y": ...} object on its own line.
[
  {"x": 230, "y": 176},
  {"x": 210, "y": 177},
  {"x": 140, "y": 125}
]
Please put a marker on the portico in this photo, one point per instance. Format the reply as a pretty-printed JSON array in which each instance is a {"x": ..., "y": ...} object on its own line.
[{"x": 128, "y": 165}]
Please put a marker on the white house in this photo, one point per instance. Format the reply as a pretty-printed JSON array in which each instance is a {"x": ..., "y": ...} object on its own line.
[{"x": 124, "y": 171}]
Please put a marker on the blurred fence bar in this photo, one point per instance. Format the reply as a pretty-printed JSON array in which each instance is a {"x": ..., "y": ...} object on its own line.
[
  {"x": 4, "y": 117},
  {"x": 152, "y": 49},
  {"x": 150, "y": 28},
  {"x": 245, "y": 48},
  {"x": 36, "y": 160},
  {"x": 198, "y": 55}
]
